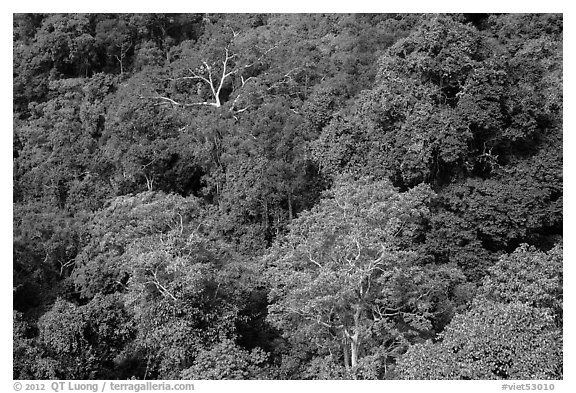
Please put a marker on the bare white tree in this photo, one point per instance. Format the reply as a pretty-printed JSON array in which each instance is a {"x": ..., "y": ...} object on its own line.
[{"x": 215, "y": 78}]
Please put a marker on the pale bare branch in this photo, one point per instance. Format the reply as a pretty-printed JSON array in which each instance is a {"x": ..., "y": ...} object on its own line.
[
  {"x": 312, "y": 260},
  {"x": 159, "y": 286},
  {"x": 244, "y": 81},
  {"x": 176, "y": 103}
]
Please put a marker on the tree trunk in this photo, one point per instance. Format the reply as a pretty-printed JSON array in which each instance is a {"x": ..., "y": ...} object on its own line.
[
  {"x": 149, "y": 182},
  {"x": 289, "y": 207},
  {"x": 266, "y": 218},
  {"x": 346, "y": 354},
  {"x": 351, "y": 352},
  {"x": 355, "y": 338},
  {"x": 354, "y": 349}
]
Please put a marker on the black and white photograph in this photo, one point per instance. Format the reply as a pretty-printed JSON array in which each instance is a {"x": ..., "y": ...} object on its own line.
[{"x": 287, "y": 196}]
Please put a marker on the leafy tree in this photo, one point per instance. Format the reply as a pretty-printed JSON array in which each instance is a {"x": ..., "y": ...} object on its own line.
[
  {"x": 61, "y": 45},
  {"x": 46, "y": 241},
  {"x": 345, "y": 278},
  {"x": 227, "y": 361},
  {"x": 532, "y": 43},
  {"x": 512, "y": 330},
  {"x": 29, "y": 360},
  {"x": 157, "y": 253},
  {"x": 491, "y": 341},
  {"x": 163, "y": 32},
  {"x": 527, "y": 276},
  {"x": 407, "y": 128},
  {"x": 116, "y": 36},
  {"x": 67, "y": 41},
  {"x": 99, "y": 266},
  {"x": 185, "y": 299},
  {"x": 268, "y": 180},
  {"x": 84, "y": 340},
  {"x": 59, "y": 160}
]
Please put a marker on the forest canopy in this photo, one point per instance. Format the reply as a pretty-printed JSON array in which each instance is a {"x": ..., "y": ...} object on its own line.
[{"x": 287, "y": 196}]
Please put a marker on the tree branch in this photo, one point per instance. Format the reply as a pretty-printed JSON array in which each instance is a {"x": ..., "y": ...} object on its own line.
[
  {"x": 176, "y": 103},
  {"x": 160, "y": 287},
  {"x": 312, "y": 260}
]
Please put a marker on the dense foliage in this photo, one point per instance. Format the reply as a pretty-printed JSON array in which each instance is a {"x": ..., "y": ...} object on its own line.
[{"x": 209, "y": 196}]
